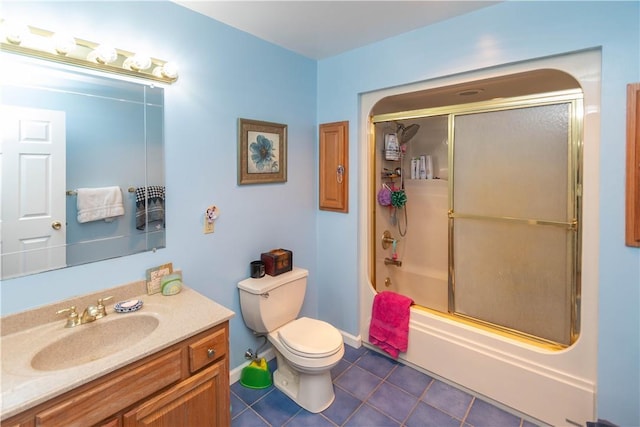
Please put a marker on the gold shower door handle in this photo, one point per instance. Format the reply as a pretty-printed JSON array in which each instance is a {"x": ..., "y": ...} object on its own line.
[{"x": 56, "y": 225}]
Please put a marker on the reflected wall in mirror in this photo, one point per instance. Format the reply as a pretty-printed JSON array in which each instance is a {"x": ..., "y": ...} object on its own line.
[{"x": 64, "y": 130}]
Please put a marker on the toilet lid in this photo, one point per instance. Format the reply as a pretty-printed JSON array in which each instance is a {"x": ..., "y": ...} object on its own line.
[{"x": 310, "y": 337}]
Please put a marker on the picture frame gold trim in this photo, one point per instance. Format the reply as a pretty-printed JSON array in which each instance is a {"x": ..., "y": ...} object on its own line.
[{"x": 262, "y": 152}]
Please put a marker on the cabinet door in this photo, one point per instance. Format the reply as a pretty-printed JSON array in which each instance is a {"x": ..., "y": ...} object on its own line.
[
  {"x": 119, "y": 391},
  {"x": 334, "y": 159},
  {"x": 201, "y": 400}
]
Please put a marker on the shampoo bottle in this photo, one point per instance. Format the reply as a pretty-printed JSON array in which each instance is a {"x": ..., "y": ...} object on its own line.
[
  {"x": 414, "y": 168},
  {"x": 423, "y": 167}
]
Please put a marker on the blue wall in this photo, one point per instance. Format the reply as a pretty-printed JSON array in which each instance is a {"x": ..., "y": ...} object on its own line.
[
  {"x": 501, "y": 34},
  {"x": 227, "y": 74}
]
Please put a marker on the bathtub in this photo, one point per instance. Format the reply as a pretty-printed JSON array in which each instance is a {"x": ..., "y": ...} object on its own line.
[{"x": 546, "y": 385}]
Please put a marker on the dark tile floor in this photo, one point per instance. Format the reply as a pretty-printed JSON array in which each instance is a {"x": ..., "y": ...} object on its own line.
[{"x": 372, "y": 391}]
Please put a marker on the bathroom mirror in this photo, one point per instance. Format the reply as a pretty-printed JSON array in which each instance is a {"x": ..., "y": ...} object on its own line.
[{"x": 63, "y": 130}]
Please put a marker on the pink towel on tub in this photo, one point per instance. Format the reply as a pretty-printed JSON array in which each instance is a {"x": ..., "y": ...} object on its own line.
[{"x": 389, "y": 328}]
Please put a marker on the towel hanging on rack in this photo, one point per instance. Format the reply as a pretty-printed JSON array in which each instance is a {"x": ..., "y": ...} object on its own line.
[
  {"x": 150, "y": 206},
  {"x": 99, "y": 203},
  {"x": 389, "y": 327}
]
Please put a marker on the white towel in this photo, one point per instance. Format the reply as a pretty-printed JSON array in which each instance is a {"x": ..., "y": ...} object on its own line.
[{"x": 99, "y": 203}]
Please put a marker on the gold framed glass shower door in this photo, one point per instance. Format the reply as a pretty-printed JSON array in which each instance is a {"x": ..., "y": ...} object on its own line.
[
  {"x": 514, "y": 214},
  {"x": 513, "y": 218}
]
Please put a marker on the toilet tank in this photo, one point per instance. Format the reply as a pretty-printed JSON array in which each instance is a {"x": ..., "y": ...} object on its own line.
[{"x": 272, "y": 301}]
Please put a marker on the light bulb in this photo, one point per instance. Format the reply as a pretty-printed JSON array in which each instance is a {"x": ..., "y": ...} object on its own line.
[
  {"x": 15, "y": 32},
  {"x": 137, "y": 62},
  {"x": 63, "y": 43},
  {"x": 103, "y": 54},
  {"x": 170, "y": 70}
]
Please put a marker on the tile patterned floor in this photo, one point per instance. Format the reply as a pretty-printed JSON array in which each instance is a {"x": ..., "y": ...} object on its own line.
[{"x": 372, "y": 391}]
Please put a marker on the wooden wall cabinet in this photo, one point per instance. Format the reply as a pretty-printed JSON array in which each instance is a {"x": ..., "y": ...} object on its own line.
[
  {"x": 186, "y": 384},
  {"x": 334, "y": 167},
  {"x": 632, "y": 232}
]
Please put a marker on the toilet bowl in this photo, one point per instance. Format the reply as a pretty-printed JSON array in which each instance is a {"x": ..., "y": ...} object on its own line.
[{"x": 306, "y": 349}]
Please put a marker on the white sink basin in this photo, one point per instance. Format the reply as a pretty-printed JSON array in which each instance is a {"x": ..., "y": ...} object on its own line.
[{"x": 92, "y": 341}]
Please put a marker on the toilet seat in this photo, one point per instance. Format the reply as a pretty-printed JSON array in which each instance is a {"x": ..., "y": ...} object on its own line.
[{"x": 310, "y": 338}]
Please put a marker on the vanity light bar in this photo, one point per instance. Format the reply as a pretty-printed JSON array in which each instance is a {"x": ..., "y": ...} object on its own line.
[{"x": 58, "y": 47}]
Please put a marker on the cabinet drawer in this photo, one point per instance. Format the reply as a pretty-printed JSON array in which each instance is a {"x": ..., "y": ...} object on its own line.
[
  {"x": 120, "y": 391},
  {"x": 207, "y": 350}
]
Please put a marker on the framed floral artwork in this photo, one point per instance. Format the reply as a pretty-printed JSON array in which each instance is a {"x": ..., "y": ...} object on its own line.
[{"x": 262, "y": 152}]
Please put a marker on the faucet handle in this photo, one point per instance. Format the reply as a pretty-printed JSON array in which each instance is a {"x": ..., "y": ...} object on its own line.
[
  {"x": 102, "y": 310},
  {"x": 72, "y": 319}
]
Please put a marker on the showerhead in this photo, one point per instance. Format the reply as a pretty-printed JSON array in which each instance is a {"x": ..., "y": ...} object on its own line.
[{"x": 405, "y": 133}]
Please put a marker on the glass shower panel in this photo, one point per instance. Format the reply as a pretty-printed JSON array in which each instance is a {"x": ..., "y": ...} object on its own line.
[
  {"x": 511, "y": 174},
  {"x": 513, "y": 163},
  {"x": 515, "y": 275}
]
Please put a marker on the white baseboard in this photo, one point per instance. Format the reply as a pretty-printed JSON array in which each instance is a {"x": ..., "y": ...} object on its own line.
[{"x": 351, "y": 340}]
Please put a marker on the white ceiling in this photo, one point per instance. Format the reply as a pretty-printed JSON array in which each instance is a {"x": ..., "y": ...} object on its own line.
[{"x": 320, "y": 29}]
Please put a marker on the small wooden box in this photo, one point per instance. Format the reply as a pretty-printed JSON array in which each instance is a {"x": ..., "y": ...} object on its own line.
[{"x": 277, "y": 261}]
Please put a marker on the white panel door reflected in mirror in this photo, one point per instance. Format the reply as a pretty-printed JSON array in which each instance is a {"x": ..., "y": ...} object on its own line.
[{"x": 92, "y": 133}]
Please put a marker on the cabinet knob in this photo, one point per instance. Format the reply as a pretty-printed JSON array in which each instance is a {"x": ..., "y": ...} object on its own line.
[{"x": 211, "y": 352}]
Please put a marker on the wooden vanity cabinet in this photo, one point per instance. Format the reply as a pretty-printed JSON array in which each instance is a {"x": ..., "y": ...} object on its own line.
[{"x": 186, "y": 384}]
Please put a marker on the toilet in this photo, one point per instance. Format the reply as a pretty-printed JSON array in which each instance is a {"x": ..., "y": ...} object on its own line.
[{"x": 306, "y": 349}]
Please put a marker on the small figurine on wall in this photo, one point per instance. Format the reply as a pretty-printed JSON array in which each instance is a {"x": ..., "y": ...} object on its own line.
[{"x": 209, "y": 217}]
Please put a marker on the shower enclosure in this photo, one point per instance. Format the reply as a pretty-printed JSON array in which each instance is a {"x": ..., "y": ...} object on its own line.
[
  {"x": 500, "y": 253},
  {"x": 492, "y": 238}
]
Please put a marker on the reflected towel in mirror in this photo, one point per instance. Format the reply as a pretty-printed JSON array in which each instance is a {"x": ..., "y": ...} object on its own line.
[
  {"x": 99, "y": 203},
  {"x": 150, "y": 206}
]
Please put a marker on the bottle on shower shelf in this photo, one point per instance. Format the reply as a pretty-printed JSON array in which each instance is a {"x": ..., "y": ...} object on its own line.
[
  {"x": 391, "y": 147},
  {"x": 423, "y": 167}
]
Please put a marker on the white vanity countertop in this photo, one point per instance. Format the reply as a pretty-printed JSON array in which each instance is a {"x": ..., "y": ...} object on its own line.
[{"x": 24, "y": 334}]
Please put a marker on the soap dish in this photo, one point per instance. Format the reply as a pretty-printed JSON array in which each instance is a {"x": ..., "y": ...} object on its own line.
[{"x": 128, "y": 306}]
